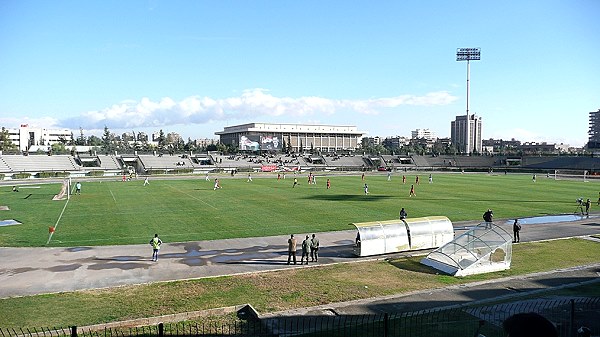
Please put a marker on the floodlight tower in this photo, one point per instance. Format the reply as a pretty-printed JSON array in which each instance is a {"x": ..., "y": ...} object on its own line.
[{"x": 468, "y": 54}]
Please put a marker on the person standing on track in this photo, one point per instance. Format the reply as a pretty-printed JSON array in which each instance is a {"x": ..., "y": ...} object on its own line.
[
  {"x": 516, "y": 230},
  {"x": 155, "y": 242},
  {"x": 314, "y": 249},
  {"x": 291, "y": 249},
  {"x": 305, "y": 249}
]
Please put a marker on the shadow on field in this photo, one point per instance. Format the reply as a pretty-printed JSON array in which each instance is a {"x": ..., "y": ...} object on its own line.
[
  {"x": 413, "y": 265},
  {"x": 32, "y": 196},
  {"x": 491, "y": 200},
  {"x": 349, "y": 197}
]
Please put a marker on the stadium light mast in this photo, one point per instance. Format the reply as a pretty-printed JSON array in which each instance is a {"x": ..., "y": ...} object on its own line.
[{"x": 468, "y": 54}]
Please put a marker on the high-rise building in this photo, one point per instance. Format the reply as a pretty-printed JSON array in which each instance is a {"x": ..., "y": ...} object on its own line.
[
  {"x": 466, "y": 134},
  {"x": 594, "y": 131}
]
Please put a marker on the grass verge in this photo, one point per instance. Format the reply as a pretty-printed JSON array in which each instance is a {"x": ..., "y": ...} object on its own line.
[{"x": 274, "y": 291}]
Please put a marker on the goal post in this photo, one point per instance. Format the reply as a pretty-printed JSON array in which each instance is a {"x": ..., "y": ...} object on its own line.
[
  {"x": 574, "y": 175},
  {"x": 65, "y": 190}
]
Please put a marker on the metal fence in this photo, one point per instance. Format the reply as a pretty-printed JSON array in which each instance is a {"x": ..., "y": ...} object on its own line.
[{"x": 465, "y": 321}]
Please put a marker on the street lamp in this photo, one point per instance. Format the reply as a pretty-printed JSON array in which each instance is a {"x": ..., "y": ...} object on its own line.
[{"x": 468, "y": 54}]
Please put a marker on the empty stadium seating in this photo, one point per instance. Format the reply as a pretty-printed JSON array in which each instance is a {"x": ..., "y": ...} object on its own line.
[
  {"x": 38, "y": 163},
  {"x": 10, "y": 164}
]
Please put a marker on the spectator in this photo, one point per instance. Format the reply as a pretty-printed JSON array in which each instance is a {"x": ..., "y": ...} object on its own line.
[
  {"x": 305, "y": 249},
  {"x": 403, "y": 214},
  {"x": 488, "y": 217},
  {"x": 291, "y": 249},
  {"x": 314, "y": 249},
  {"x": 516, "y": 230}
]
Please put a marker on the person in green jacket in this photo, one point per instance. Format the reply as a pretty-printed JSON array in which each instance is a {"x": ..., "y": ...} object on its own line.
[
  {"x": 155, "y": 243},
  {"x": 305, "y": 249},
  {"x": 314, "y": 249}
]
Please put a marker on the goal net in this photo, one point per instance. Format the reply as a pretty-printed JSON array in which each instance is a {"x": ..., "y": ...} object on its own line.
[
  {"x": 582, "y": 175},
  {"x": 64, "y": 191}
]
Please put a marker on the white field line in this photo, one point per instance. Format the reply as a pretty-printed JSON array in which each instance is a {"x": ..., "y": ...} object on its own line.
[
  {"x": 113, "y": 196},
  {"x": 192, "y": 196},
  {"x": 57, "y": 221}
]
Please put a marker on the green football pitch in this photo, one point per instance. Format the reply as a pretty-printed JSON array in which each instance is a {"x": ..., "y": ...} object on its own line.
[{"x": 188, "y": 209}]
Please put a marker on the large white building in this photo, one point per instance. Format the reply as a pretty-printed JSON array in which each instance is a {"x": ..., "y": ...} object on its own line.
[
  {"x": 271, "y": 136},
  {"x": 466, "y": 134},
  {"x": 28, "y": 138},
  {"x": 423, "y": 134}
]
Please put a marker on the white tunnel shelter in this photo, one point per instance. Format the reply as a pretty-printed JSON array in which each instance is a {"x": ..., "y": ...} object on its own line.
[
  {"x": 483, "y": 249},
  {"x": 393, "y": 236}
]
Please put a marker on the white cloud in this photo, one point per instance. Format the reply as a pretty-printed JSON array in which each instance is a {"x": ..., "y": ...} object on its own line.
[
  {"x": 42, "y": 122},
  {"x": 251, "y": 103}
]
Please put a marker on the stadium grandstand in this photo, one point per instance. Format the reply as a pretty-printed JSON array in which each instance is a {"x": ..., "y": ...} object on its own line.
[{"x": 16, "y": 166}]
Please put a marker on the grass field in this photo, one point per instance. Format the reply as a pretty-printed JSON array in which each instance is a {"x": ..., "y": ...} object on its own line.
[{"x": 114, "y": 212}]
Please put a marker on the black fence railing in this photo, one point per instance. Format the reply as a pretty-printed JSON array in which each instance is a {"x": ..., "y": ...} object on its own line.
[{"x": 466, "y": 321}]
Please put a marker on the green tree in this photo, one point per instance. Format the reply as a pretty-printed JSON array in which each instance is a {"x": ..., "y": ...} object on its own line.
[
  {"x": 438, "y": 148},
  {"x": 58, "y": 148},
  {"x": 5, "y": 142},
  {"x": 214, "y": 147},
  {"x": 162, "y": 141},
  {"x": 94, "y": 141},
  {"x": 81, "y": 139},
  {"x": 108, "y": 144},
  {"x": 190, "y": 145}
]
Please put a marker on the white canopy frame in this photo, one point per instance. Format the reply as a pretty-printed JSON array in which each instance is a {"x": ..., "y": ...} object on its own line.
[
  {"x": 485, "y": 248},
  {"x": 393, "y": 236}
]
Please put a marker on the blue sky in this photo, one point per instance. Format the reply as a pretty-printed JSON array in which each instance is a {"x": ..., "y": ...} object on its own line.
[{"x": 388, "y": 67}]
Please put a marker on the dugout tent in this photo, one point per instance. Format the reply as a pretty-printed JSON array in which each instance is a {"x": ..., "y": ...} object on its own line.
[
  {"x": 393, "y": 236},
  {"x": 483, "y": 249}
]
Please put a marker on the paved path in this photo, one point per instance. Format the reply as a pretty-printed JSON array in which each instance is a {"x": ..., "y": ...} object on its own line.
[{"x": 30, "y": 271}]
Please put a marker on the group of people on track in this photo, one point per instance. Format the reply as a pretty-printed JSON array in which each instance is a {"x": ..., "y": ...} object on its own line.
[{"x": 310, "y": 247}]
